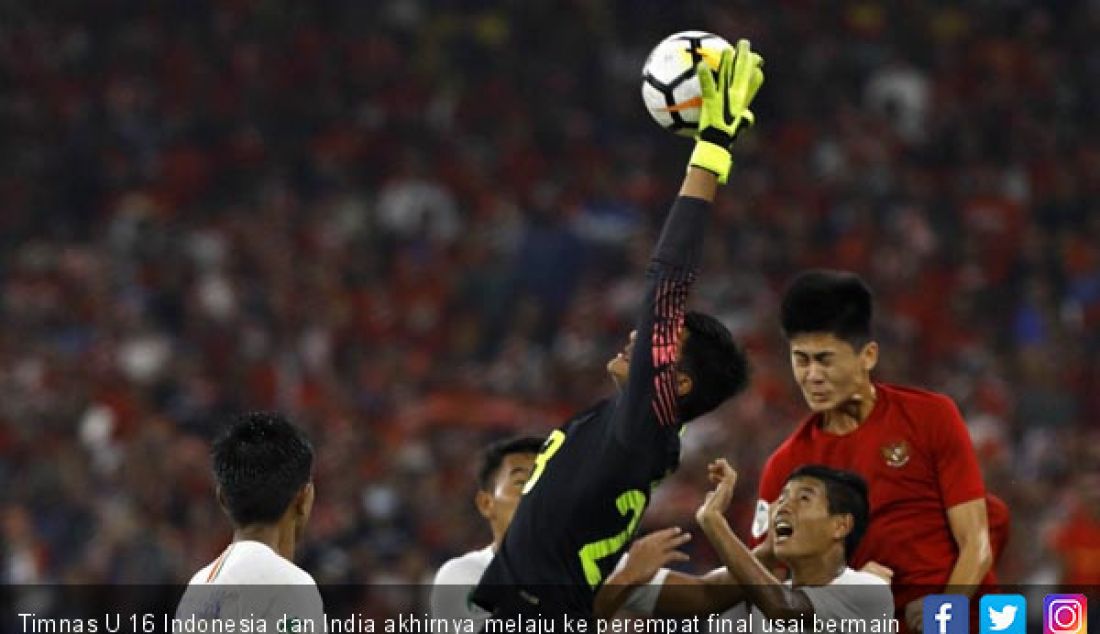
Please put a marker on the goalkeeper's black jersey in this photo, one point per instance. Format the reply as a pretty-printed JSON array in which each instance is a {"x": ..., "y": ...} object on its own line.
[{"x": 593, "y": 478}]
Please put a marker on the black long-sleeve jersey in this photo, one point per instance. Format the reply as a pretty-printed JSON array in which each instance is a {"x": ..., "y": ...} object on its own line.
[{"x": 593, "y": 478}]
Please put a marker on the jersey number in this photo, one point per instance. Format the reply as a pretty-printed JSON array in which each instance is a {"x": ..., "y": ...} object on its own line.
[
  {"x": 632, "y": 502},
  {"x": 549, "y": 448}
]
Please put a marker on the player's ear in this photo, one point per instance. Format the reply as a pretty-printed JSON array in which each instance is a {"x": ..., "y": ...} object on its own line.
[
  {"x": 484, "y": 502},
  {"x": 220, "y": 495},
  {"x": 684, "y": 384},
  {"x": 843, "y": 524},
  {"x": 303, "y": 503},
  {"x": 869, "y": 356}
]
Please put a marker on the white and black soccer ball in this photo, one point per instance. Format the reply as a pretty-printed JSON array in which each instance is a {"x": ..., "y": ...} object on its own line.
[{"x": 670, "y": 88}]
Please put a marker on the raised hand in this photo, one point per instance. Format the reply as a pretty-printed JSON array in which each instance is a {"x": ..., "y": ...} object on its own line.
[
  {"x": 722, "y": 475},
  {"x": 727, "y": 95}
]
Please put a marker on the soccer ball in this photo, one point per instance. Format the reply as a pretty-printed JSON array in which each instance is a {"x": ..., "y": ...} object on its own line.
[{"x": 670, "y": 88}]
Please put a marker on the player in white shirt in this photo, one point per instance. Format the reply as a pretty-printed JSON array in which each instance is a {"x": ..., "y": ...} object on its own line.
[
  {"x": 820, "y": 517},
  {"x": 505, "y": 468},
  {"x": 262, "y": 465}
]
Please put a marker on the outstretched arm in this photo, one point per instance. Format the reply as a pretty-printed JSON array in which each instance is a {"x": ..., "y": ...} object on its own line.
[{"x": 651, "y": 390}]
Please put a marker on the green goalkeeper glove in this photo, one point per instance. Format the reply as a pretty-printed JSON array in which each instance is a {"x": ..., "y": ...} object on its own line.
[{"x": 727, "y": 94}]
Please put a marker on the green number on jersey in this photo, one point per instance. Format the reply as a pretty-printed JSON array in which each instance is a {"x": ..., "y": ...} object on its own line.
[
  {"x": 549, "y": 448},
  {"x": 632, "y": 502}
]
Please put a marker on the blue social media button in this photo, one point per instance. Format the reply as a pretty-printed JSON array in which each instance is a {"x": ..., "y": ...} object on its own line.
[
  {"x": 946, "y": 614},
  {"x": 1003, "y": 614}
]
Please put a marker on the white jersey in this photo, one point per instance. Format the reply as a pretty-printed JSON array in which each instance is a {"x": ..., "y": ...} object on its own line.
[
  {"x": 250, "y": 582},
  {"x": 852, "y": 596},
  {"x": 453, "y": 583},
  {"x": 459, "y": 576}
]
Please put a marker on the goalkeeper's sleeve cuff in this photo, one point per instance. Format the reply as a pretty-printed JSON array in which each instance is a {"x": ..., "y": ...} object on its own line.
[{"x": 713, "y": 158}]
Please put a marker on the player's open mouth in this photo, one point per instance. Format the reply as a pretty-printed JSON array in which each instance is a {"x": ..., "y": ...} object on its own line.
[{"x": 783, "y": 530}]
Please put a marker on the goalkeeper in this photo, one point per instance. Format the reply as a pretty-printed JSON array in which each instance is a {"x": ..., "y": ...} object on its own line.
[{"x": 593, "y": 476}]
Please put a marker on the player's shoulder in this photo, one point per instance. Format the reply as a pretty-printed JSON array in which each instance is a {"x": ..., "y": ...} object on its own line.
[
  {"x": 253, "y": 563},
  {"x": 929, "y": 407},
  {"x": 853, "y": 594},
  {"x": 796, "y": 443},
  {"x": 298, "y": 577},
  {"x": 915, "y": 396},
  {"x": 858, "y": 578},
  {"x": 598, "y": 410},
  {"x": 202, "y": 575},
  {"x": 275, "y": 568},
  {"x": 465, "y": 569}
]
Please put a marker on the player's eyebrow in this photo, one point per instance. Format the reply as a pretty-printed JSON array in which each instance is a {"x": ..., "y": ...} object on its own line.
[
  {"x": 519, "y": 471},
  {"x": 824, "y": 355},
  {"x": 794, "y": 488}
]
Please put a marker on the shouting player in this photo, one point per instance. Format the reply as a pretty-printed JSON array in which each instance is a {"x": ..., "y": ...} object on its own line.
[
  {"x": 593, "y": 478},
  {"x": 929, "y": 523},
  {"x": 817, "y": 521},
  {"x": 262, "y": 467}
]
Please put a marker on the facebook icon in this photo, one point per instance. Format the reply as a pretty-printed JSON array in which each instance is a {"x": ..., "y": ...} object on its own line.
[{"x": 946, "y": 614}]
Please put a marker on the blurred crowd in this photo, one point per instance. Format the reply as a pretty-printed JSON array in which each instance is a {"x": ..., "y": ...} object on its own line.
[{"x": 417, "y": 226}]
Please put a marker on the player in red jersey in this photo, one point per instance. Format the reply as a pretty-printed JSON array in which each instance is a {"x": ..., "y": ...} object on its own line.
[{"x": 930, "y": 522}]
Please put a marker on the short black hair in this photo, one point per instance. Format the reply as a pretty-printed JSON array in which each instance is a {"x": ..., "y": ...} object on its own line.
[
  {"x": 717, "y": 366},
  {"x": 847, "y": 493},
  {"x": 261, "y": 461},
  {"x": 826, "y": 301},
  {"x": 494, "y": 455}
]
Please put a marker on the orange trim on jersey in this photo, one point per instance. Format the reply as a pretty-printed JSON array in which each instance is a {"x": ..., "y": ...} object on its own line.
[{"x": 218, "y": 564}]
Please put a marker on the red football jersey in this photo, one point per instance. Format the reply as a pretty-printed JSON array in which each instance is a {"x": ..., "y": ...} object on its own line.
[{"x": 915, "y": 452}]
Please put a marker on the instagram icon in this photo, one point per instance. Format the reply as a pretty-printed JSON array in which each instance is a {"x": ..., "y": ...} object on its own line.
[{"x": 1065, "y": 614}]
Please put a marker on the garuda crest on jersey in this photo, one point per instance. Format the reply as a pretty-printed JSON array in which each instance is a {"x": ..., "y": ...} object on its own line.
[{"x": 896, "y": 454}]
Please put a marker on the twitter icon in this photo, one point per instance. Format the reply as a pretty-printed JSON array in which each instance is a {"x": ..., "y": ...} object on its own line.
[{"x": 1003, "y": 614}]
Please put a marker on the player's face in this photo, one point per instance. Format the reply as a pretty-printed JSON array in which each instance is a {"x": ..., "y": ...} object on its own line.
[
  {"x": 514, "y": 471},
  {"x": 801, "y": 526},
  {"x": 829, "y": 371}
]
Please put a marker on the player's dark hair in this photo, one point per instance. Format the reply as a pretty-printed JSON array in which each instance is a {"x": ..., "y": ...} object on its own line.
[
  {"x": 494, "y": 455},
  {"x": 717, "y": 366},
  {"x": 825, "y": 301},
  {"x": 847, "y": 492},
  {"x": 261, "y": 461}
]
